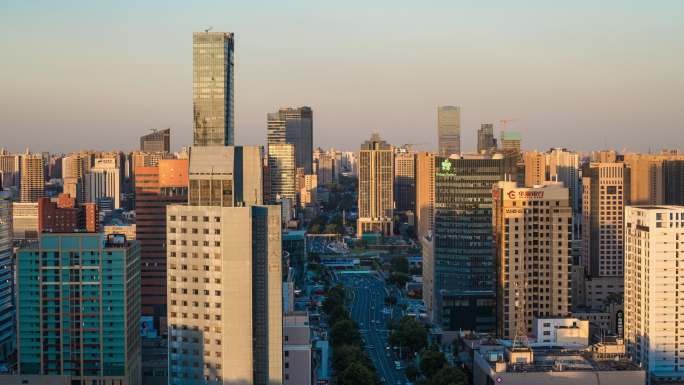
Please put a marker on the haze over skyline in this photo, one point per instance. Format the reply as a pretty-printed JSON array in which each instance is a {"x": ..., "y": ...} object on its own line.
[{"x": 83, "y": 75}]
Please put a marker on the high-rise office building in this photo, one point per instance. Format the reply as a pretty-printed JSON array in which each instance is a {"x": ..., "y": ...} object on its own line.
[
  {"x": 74, "y": 168},
  {"x": 449, "y": 130},
  {"x": 104, "y": 181},
  {"x": 532, "y": 233},
  {"x": 564, "y": 166},
  {"x": 458, "y": 264},
  {"x": 212, "y": 88},
  {"x": 10, "y": 166},
  {"x": 156, "y": 141},
  {"x": 654, "y": 256},
  {"x": 535, "y": 168},
  {"x": 606, "y": 193},
  {"x": 673, "y": 182},
  {"x": 376, "y": 187},
  {"x": 510, "y": 142},
  {"x": 646, "y": 178},
  {"x": 224, "y": 279},
  {"x": 425, "y": 193},
  {"x": 281, "y": 165},
  {"x": 156, "y": 188},
  {"x": 327, "y": 166},
  {"x": 405, "y": 180},
  {"x": 79, "y": 309},
  {"x": 294, "y": 126},
  {"x": 32, "y": 177},
  {"x": 485, "y": 138},
  {"x": 7, "y": 336},
  {"x": 226, "y": 176}
]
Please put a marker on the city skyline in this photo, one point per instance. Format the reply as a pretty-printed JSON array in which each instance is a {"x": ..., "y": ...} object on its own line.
[{"x": 603, "y": 76}]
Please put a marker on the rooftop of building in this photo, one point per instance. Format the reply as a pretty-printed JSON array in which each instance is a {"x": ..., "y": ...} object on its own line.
[{"x": 554, "y": 359}]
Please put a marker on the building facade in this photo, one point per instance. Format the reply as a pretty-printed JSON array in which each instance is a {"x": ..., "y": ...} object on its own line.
[
  {"x": 606, "y": 193},
  {"x": 281, "y": 165},
  {"x": 405, "y": 180},
  {"x": 7, "y": 309},
  {"x": 156, "y": 141},
  {"x": 532, "y": 234},
  {"x": 156, "y": 188},
  {"x": 654, "y": 252},
  {"x": 32, "y": 178},
  {"x": 485, "y": 138},
  {"x": 294, "y": 126},
  {"x": 449, "y": 130},
  {"x": 459, "y": 270},
  {"x": 104, "y": 181},
  {"x": 212, "y": 88},
  {"x": 224, "y": 279},
  {"x": 79, "y": 308},
  {"x": 425, "y": 193},
  {"x": 376, "y": 187}
]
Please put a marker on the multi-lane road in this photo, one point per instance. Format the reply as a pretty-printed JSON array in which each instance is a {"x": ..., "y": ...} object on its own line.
[{"x": 367, "y": 304}]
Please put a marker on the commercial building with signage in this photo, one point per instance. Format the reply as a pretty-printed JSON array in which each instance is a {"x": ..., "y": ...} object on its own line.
[
  {"x": 458, "y": 258},
  {"x": 532, "y": 233}
]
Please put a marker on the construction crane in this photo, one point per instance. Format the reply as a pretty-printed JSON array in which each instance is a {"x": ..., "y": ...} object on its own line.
[
  {"x": 208, "y": 29},
  {"x": 409, "y": 146}
]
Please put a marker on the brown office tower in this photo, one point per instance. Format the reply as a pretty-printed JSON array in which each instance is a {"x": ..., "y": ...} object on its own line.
[
  {"x": 532, "y": 233},
  {"x": 606, "y": 193},
  {"x": 155, "y": 188},
  {"x": 64, "y": 215}
]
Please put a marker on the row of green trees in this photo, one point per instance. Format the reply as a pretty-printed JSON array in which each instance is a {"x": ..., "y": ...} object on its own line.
[
  {"x": 410, "y": 337},
  {"x": 349, "y": 361}
]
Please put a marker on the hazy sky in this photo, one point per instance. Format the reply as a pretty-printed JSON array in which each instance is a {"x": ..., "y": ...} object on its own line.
[{"x": 98, "y": 74}]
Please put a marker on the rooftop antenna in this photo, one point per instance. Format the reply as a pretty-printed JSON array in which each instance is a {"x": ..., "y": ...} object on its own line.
[{"x": 208, "y": 29}]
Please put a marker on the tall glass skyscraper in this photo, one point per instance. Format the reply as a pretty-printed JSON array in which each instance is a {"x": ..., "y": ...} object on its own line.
[
  {"x": 212, "y": 88},
  {"x": 7, "y": 340},
  {"x": 295, "y": 126}
]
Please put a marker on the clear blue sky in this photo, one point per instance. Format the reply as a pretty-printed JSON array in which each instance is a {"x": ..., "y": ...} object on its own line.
[{"x": 98, "y": 74}]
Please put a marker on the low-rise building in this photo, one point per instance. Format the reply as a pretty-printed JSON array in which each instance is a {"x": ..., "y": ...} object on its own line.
[{"x": 502, "y": 364}]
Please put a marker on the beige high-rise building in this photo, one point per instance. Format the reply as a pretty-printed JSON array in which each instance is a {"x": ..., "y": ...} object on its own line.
[
  {"x": 654, "y": 264},
  {"x": 224, "y": 290},
  {"x": 405, "y": 180},
  {"x": 425, "y": 192},
  {"x": 449, "y": 130},
  {"x": 224, "y": 281},
  {"x": 376, "y": 187},
  {"x": 32, "y": 178},
  {"x": 225, "y": 176},
  {"x": 281, "y": 165},
  {"x": 606, "y": 193},
  {"x": 535, "y": 168},
  {"x": 532, "y": 233}
]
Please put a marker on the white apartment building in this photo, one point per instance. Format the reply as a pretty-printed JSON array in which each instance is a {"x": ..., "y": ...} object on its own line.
[{"x": 654, "y": 262}]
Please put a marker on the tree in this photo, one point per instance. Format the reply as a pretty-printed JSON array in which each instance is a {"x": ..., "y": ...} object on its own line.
[
  {"x": 411, "y": 372},
  {"x": 356, "y": 374},
  {"x": 390, "y": 300},
  {"x": 334, "y": 298},
  {"x": 431, "y": 362},
  {"x": 400, "y": 264},
  {"x": 345, "y": 332},
  {"x": 409, "y": 334},
  {"x": 345, "y": 355},
  {"x": 398, "y": 279},
  {"x": 449, "y": 375},
  {"x": 338, "y": 314}
]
